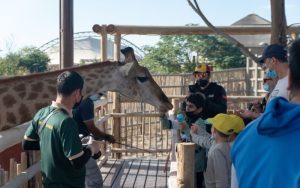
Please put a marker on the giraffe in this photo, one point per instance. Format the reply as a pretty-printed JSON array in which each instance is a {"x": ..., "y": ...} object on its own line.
[{"x": 22, "y": 96}]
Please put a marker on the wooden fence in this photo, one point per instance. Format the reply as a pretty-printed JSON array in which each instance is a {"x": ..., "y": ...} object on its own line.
[{"x": 138, "y": 124}]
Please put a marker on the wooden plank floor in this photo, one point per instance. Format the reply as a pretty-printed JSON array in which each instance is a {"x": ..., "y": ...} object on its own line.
[{"x": 135, "y": 173}]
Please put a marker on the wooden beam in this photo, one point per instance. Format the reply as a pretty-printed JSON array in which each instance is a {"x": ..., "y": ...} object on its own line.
[
  {"x": 23, "y": 177},
  {"x": 188, "y": 30},
  {"x": 134, "y": 114},
  {"x": 121, "y": 150}
]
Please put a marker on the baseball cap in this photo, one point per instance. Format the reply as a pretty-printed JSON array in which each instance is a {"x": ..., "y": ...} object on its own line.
[
  {"x": 226, "y": 124},
  {"x": 126, "y": 50},
  {"x": 274, "y": 50},
  {"x": 239, "y": 123},
  {"x": 203, "y": 68}
]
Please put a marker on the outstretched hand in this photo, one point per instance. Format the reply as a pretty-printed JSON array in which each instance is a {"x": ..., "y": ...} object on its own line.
[{"x": 246, "y": 114}]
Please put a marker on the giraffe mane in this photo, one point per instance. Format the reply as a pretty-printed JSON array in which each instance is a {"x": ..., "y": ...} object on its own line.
[{"x": 55, "y": 72}]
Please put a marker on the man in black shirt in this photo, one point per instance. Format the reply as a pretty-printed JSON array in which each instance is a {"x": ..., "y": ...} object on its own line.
[
  {"x": 84, "y": 116},
  {"x": 215, "y": 95}
]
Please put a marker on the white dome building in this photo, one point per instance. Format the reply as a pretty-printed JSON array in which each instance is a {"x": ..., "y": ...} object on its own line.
[{"x": 87, "y": 49}]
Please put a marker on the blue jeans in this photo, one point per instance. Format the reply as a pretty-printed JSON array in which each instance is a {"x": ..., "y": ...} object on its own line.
[{"x": 93, "y": 177}]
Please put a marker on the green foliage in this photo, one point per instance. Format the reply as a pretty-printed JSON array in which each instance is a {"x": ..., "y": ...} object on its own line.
[
  {"x": 27, "y": 60},
  {"x": 34, "y": 60},
  {"x": 174, "y": 54},
  {"x": 9, "y": 65}
]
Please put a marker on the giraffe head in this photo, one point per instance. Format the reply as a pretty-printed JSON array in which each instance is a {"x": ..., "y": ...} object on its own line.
[
  {"x": 22, "y": 96},
  {"x": 135, "y": 82}
]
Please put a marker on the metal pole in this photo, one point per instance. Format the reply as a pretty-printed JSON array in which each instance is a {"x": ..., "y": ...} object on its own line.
[{"x": 66, "y": 33}]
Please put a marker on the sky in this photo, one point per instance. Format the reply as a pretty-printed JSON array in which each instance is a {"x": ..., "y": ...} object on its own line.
[{"x": 36, "y": 22}]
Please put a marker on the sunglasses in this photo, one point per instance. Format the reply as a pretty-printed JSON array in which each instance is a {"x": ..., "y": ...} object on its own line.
[{"x": 200, "y": 74}]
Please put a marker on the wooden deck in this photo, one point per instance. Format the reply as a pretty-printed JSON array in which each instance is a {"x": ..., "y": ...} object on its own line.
[{"x": 135, "y": 173}]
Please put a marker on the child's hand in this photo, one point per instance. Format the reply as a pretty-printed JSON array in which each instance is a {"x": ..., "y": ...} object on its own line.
[{"x": 194, "y": 128}]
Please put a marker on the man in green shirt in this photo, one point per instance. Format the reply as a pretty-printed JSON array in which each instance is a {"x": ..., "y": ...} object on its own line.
[{"x": 54, "y": 132}]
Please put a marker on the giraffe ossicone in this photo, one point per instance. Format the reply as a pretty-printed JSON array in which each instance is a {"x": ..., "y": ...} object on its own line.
[{"x": 22, "y": 96}]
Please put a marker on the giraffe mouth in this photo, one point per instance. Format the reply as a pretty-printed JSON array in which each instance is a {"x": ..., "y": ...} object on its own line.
[{"x": 166, "y": 107}]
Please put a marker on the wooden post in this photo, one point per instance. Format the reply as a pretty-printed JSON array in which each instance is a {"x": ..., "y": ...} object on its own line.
[
  {"x": 6, "y": 178},
  {"x": 1, "y": 176},
  {"x": 116, "y": 98},
  {"x": 185, "y": 165},
  {"x": 117, "y": 46},
  {"x": 255, "y": 79},
  {"x": 126, "y": 129},
  {"x": 116, "y": 123},
  {"x": 143, "y": 134},
  {"x": 248, "y": 80},
  {"x": 19, "y": 169},
  {"x": 66, "y": 34},
  {"x": 24, "y": 166},
  {"x": 11, "y": 169},
  {"x": 103, "y": 50},
  {"x": 175, "y": 103}
]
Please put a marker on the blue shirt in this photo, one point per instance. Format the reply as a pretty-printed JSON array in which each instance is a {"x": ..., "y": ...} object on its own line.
[{"x": 267, "y": 152}]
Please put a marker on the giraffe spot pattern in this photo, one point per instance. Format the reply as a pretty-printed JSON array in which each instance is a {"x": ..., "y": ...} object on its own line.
[
  {"x": 45, "y": 95},
  {"x": 9, "y": 101},
  {"x": 100, "y": 71},
  {"x": 53, "y": 82},
  {"x": 3, "y": 90},
  {"x": 24, "y": 111},
  {"x": 93, "y": 75},
  {"x": 11, "y": 118},
  {"x": 89, "y": 89},
  {"x": 52, "y": 90},
  {"x": 22, "y": 95},
  {"x": 100, "y": 83},
  {"x": 32, "y": 95},
  {"x": 20, "y": 87},
  {"x": 37, "y": 86}
]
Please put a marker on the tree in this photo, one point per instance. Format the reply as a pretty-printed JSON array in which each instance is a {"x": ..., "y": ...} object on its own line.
[
  {"x": 27, "y": 60},
  {"x": 165, "y": 58},
  {"x": 33, "y": 60},
  {"x": 9, "y": 65},
  {"x": 179, "y": 54}
]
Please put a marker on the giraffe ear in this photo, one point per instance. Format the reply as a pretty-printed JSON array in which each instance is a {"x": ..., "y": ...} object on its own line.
[{"x": 124, "y": 69}]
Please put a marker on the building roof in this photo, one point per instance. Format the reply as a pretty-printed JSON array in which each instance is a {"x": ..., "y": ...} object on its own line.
[
  {"x": 251, "y": 19},
  {"x": 86, "y": 50},
  {"x": 252, "y": 41}
]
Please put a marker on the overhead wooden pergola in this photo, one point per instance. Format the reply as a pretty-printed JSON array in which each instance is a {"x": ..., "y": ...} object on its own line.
[{"x": 118, "y": 30}]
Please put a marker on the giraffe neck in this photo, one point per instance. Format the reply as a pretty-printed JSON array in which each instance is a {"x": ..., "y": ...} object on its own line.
[{"x": 22, "y": 96}]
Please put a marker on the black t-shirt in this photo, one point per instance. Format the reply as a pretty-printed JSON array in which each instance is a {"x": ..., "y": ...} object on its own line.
[
  {"x": 84, "y": 112},
  {"x": 216, "y": 99}
]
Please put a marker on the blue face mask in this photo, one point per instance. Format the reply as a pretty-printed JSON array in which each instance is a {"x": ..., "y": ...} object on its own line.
[
  {"x": 270, "y": 73},
  {"x": 95, "y": 97},
  {"x": 266, "y": 87}
]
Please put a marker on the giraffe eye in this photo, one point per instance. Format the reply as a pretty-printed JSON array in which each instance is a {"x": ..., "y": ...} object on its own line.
[{"x": 142, "y": 79}]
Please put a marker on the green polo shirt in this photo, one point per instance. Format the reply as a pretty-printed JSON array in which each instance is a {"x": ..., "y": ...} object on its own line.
[{"x": 59, "y": 142}]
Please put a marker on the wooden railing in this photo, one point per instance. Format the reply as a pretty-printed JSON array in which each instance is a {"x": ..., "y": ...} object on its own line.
[{"x": 141, "y": 136}]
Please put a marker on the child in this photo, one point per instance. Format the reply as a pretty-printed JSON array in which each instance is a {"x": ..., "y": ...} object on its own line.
[
  {"x": 218, "y": 171},
  {"x": 193, "y": 115}
]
